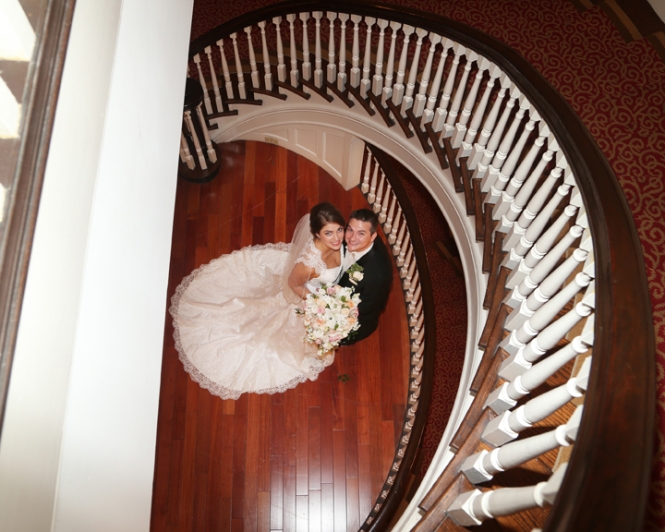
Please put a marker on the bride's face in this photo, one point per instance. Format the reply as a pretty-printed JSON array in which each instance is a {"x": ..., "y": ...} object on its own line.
[{"x": 331, "y": 236}]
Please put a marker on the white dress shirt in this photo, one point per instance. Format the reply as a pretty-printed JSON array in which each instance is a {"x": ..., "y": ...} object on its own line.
[{"x": 354, "y": 256}]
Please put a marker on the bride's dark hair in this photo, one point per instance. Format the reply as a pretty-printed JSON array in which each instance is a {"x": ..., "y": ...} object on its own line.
[{"x": 322, "y": 214}]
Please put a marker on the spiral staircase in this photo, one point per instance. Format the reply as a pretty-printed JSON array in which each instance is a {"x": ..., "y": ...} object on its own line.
[{"x": 560, "y": 346}]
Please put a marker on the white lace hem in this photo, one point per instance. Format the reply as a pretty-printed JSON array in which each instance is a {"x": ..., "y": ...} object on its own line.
[{"x": 317, "y": 365}]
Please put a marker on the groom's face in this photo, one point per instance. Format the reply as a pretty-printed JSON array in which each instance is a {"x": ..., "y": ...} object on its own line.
[{"x": 358, "y": 235}]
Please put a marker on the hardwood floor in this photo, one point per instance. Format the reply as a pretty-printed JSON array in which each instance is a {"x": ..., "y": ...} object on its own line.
[{"x": 313, "y": 458}]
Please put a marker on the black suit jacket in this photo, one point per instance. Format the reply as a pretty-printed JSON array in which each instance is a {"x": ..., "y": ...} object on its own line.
[{"x": 373, "y": 289}]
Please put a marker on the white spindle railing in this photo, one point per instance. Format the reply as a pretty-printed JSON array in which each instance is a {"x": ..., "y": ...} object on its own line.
[{"x": 403, "y": 251}]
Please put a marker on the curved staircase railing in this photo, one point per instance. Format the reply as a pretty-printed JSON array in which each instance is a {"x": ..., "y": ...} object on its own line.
[
  {"x": 385, "y": 193},
  {"x": 562, "y": 267}
]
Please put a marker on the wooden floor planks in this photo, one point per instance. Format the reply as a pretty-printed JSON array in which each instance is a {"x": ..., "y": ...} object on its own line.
[{"x": 312, "y": 459}]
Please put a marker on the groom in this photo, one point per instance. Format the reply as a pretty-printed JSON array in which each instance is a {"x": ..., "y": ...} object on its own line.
[{"x": 371, "y": 271}]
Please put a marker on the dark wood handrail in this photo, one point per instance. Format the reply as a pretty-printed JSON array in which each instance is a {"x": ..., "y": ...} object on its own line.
[
  {"x": 607, "y": 480},
  {"x": 402, "y": 479}
]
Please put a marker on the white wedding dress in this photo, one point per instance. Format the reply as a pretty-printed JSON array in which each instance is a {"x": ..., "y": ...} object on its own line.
[{"x": 236, "y": 332}]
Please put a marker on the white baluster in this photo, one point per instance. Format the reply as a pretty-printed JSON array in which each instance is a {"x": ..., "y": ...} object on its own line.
[
  {"x": 418, "y": 326},
  {"x": 526, "y": 355},
  {"x": 449, "y": 126},
  {"x": 241, "y": 77},
  {"x": 504, "y": 149},
  {"x": 416, "y": 304},
  {"x": 377, "y": 82},
  {"x": 204, "y": 84},
  {"x": 295, "y": 73},
  {"x": 405, "y": 254},
  {"x": 306, "y": 64},
  {"x": 509, "y": 165},
  {"x": 371, "y": 197},
  {"x": 195, "y": 140},
  {"x": 415, "y": 286},
  {"x": 478, "y": 150},
  {"x": 482, "y": 466},
  {"x": 407, "y": 102},
  {"x": 365, "y": 82},
  {"x": 267, "y": 76},
  {"x": 469, "y": 104},
  {"x": 478, "y": 114},
  {"x": 341, "y": 76},
  {"x": 252, "y": 59},
  {"x": 392, "y": 238},
  {"x": 533, "y": 232},
  {"x": 507, "y": 426},
  {"x": 474, "y": 507},
  {"x": 541, "y": 296},
  {"x": 388, "y": 82},
  {"x": 185, "y": 154},
  {"x": 398, "y": 89},
  {"x": 511, "y": 203},
  {"x": 529, "y": 214},
  {"x": 418, "y": 353},
  {"x": 379, "y": 194},
  {"x": 534, "y": 258},
  {"x": 415, "y": 346},
  {"x": 421, "y": 98},
  {"x": 228, "y": 84},
  {"x": 368, "y": 163},
  {"x": 213, "y": 76},
  {"x": 384, "y": 203},
  {"x": 408, "y": 277},
  {"x": 493, "y": 143},
  {"x": 442, "y": 111},
  {"x": 506, "y": 396},
  {"x": 354, "y": 73},
  {"x": 545, "y": 313},
  {"x": 388, "y": 225},
  {"x": 318, "y": 63},
  {"x": 281, "y": 65},
  {"x": 212, "y": 155},
  {"x": 542, "y": 269},
  {"x": 428, "y": 113},
  {"x": 332, "y": 64},
  {"x": 400, "y": 237}
]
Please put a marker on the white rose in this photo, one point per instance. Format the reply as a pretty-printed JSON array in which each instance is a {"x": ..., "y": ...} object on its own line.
[{"x": 358, "y": 276}]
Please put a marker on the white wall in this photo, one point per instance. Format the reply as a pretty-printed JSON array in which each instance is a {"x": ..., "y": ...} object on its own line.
[{"x": 78, "y": 442}]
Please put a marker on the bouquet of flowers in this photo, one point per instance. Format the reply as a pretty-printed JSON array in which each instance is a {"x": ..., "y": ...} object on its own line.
[{"x": 329, "y": 314}]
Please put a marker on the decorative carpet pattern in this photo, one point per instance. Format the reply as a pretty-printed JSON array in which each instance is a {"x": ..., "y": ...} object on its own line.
[{"x": 617, "y": 88}]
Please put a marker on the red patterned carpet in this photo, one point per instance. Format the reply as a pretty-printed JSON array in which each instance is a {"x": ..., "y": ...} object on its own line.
[{"x": 617, "y": 88}]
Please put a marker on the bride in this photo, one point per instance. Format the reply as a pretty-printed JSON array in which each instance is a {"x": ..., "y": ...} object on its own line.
[{"x": 234, "y": 319}]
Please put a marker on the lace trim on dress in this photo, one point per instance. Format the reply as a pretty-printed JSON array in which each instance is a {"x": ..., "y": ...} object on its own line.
[
  {"x": 311, "y": 257},
  {"x": 317, "y": 365}
]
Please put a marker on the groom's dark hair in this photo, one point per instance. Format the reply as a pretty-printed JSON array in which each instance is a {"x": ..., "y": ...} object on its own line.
[{"x": 366, "y": 215}]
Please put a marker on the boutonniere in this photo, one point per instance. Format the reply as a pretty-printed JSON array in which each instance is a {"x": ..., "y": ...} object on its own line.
[{"x": 355, "y": 272}]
